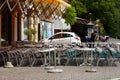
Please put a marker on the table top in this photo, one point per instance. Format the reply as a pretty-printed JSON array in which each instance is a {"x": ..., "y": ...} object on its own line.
[
  {"x": 48, "y": 50},
  {"x": 86, "y": 49},
  {"x": 29, "y": 45}
]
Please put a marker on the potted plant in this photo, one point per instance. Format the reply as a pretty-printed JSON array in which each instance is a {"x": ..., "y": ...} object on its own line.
[
  {"x": 29, "y": 32},
  {"x": 33, "y": 31}
]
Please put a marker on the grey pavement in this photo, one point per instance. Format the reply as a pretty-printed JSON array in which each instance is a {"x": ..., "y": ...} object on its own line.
[{"x": 69, "y": 73}]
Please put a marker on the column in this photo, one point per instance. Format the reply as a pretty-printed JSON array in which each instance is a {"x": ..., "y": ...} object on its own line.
[
  {"x": 0, "y": 28},
  {"x": 14, "y": 27},
  {"x": 36, "y": 27},
  {"x": 20, "y": 27}
]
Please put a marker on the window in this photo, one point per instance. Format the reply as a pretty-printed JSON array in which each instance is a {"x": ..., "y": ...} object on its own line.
[{"x": 55, "y": 36}]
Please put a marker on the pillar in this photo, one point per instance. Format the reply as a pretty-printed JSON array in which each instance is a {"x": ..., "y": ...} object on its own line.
[
  {"x": 14, "y": 28},
  {"x": 36, "y": 27},
  {"x": 20, "y": 27},
  {"x": 0, "y": 28}
]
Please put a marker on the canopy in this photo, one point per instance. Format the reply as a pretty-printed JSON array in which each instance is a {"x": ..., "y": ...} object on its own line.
[
  {"x": 44, "y": 9},
  {"x": 55, "y": 1}
]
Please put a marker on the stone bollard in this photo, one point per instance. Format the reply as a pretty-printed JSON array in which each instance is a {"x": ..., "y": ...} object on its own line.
[{"x": 8, "y": 65}]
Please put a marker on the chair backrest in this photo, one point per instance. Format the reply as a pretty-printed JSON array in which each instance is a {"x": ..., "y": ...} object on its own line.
[
  {"x": 98, "y": 49},
  {"x": 71, "y": 52},
  {"x": 114, "y": 52},
  {"x": 102, "y": 53}
]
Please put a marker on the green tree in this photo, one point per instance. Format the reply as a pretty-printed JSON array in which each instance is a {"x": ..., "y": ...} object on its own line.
[
  {"x": 70, "y": 15},
  {"x": 108, "y": 11},
  {"x": 79, "y": 6},
  {"x": 114, "y": 25}
]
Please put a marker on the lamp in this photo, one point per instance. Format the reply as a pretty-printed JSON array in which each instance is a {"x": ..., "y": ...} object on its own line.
[
  {"x": 90, "y": 26},
  {"x": 97, "y": 27}
]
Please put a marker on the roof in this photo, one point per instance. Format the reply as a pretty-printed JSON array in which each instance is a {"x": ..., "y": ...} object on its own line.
[
  {"x": 54, "y": 1},
  {"x": 65, "y": 32}
]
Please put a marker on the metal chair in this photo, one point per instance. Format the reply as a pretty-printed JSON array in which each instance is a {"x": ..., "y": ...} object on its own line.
[
  {"x": 4, "y": 56},
  {"x": 71, "y": 54},
  {"x": 35, "y": 57},
  {"x": 115, "y": 55},
  {"x": 24, "y": 57},
  {"x": 12, "y": 57},
  {"x": 102, "y": 54}
]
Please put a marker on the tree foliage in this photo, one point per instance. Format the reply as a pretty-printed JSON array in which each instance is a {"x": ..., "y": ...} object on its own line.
[
  {"x": 108, "y": 11},
  {"x": 70, "y": 15},
  {"x": 79, "y": 6}
]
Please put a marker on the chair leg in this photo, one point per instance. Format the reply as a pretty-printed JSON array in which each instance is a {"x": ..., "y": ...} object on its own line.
[
  {"x": 97, "y": 62},
  {"x": 77, "y": 61},
  {"x": 119, "y": 60},
  {"x": 33, "y": 62},
  {"x": 67, "y": 62},
  {"x": 112, "y": 61},
  {"x": 4, "y": 59}
]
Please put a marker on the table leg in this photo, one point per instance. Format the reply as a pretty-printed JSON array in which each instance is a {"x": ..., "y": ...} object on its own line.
[
  {"x": 91, "y": 69},
  {"x": 58, "y": 58},
  {"x": 55, "y": 58},
  {"x": 45, "y": 59},
  {"x": 55, "y": 70},
  {"x": 84, "y": 59}
]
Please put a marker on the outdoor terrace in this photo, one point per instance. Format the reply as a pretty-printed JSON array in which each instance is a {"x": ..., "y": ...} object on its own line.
[{"x": 29, "y": 64}]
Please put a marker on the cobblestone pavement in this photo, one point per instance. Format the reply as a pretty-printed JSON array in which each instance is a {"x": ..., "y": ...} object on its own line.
[{"x": 69, "y": 73}]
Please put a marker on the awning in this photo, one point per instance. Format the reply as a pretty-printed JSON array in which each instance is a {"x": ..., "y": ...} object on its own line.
[
  {"x": 55, "y": 1},
  {"x": 64, "y": 3},
  {"x": 44, "y": 9}
]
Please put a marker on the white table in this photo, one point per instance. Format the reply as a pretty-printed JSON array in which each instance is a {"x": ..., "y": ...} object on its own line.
[
  {"x": 55, "y": 70},
  {"x": 50, "y": 68},
  {"x": 45, "y": 52},
  {"x": 85, "y": 51},
  {"x": 59, "y": 52}
]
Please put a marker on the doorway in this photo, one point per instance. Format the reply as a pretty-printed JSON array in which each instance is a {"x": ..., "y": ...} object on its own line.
[{"x": 6, "y": 27}]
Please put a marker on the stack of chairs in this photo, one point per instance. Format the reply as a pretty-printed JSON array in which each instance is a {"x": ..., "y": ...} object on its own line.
[
  {"x": 29, "y": 56},
  {"x": 72, "y": 53},
  {"x": 21, "y": 56},
  {"x": 102, "y": 54},
  {"x": 36, "y": 57},
  {"x": 114, "y": 53},
  {"x": 24, "y": 56},
  {"x": 12, "y": 57},
  {"x": 3, "y": 57}
]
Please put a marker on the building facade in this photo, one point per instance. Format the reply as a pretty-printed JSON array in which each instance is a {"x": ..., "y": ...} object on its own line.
[{"x": 18, "y": 15}]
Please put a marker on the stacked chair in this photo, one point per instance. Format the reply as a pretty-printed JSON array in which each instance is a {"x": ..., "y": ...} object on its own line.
[
  {"x": 102, "y": 54},
  {"x": 114, "y": 53},
  {"x": 21, "y": 57},
  {"x": 71, "y": 54},
  {"x": 36, "y": 57},
  {"x": 3, "y": 57}
]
